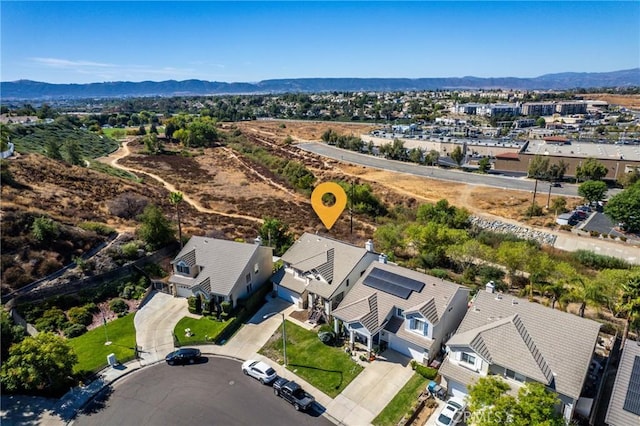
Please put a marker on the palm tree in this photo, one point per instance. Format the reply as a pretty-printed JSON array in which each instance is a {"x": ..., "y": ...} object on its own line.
[
  {"x": 629, "y": 304},
  {"x": 175, "y": 198},
  {"x": 556, "y": 291},
  {"x": 586, "y": 292}
]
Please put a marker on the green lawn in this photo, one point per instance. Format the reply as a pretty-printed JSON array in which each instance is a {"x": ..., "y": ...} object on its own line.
[
  {"x": 327, "y": 368},
  {"x": 91, "y": 350},
  {"x": 203, "y": 330},
  {"x": 401, "y": 403}
]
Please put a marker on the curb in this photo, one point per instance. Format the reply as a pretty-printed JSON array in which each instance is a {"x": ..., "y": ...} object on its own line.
[{"x": 105, "y": 385}]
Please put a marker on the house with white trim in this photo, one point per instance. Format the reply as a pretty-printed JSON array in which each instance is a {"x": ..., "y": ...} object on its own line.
[
  {"x": 220, "y": 270},
  {"x": 521, "y": 342},
  {"x": 318, "y": 272},
  {"x": 401, "y": 309}
]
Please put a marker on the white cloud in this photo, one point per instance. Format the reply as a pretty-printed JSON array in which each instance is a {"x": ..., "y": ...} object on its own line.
[
  {"x": 65, "y": 63},
  {"x": 115, "y": 71}
]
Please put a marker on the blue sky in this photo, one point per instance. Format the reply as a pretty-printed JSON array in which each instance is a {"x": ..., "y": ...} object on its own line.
[{"x": 81, "y": 42}]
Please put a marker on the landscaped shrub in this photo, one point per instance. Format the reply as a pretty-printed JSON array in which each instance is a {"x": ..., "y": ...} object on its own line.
[
  {"x": 74, "y": 330},
  {"x": 325, "y": 328},
  {"x": 594, "y": 233},
  {"x": 566, "y": 227},
  {"x": 194, "y": 305},
  {"x": 79, "y": 315},
  {"x": 91, "y": 307},
  {"x": 426, "y": 372},
  {"x": 327, "y": 337},
  {"x": 52, "y": 319},
  {"x": 226, "y": 307},
  {"x": 119, "y": 306},
  {"x": 155, "y": 270}
]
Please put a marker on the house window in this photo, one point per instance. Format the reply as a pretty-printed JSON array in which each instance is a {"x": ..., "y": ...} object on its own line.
[
  {"x": 248, "y": 277},
  {"x": 250, "y": 288},
  {"x": 347, "y": 282},
  {"x": 400, "y": 312},
  {"x": 514, "y": 376},
  {"x": 182, "y": 268},
  {"x": 256, "y": 268},
  {"x": 468, "y": 358},
  {"x": 419, "y": 326}
]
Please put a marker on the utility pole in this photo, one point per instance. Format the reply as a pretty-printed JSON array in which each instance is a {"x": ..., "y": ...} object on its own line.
[{"x": 351, "y": 205}]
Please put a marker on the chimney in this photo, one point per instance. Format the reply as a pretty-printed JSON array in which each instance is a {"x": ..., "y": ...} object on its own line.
[
  {"x": 490, "y": 287},
  {"x": 369, "y": 246},
  {"x": 257, "y": 240},
  {"x": 382, "y": 258}
]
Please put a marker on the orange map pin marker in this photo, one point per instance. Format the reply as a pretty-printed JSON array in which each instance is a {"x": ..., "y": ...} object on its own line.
[{"x": 328, "y": 214}]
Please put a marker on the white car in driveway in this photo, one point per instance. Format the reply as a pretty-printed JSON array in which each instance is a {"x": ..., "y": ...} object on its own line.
[
  {"x": 452, "y": 413},
  {"x": 259, "y": 370}
]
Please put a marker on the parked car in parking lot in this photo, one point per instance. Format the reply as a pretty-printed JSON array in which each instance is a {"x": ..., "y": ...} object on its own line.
[
  {"x": 452, "y": 413},
  {"x": 581, "y": 214},
  {"x": 259, "y": 370},
  {"x": 183, "y": 356}
]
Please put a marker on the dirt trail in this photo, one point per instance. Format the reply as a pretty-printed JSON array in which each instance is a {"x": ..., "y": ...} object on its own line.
[{"x": 124, "y": 151}]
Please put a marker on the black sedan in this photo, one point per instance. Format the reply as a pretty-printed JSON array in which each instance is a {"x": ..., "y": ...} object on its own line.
[{"x": 183, "y": 356}]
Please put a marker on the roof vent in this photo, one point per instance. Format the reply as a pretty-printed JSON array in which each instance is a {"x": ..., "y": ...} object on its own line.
[
  {"x": 514, "y": 301},
  {"x": 382, "y": 258},
  {"x": 499, "y": 296}
]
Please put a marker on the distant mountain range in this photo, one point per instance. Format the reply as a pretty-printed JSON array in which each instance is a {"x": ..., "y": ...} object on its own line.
[{"x": 27, "y": 89}]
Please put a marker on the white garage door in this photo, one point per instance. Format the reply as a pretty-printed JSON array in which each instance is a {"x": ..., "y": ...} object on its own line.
[
  {"x": 406, "y": 348},
  {"x": 288, "y": 295},
  {"x": 456, "y": 389}
]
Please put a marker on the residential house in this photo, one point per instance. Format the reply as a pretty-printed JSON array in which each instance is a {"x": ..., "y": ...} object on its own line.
[
  {"x": 319, "y": 271},
  {"x": 624, "y": 406},
  {"x": 404, "y": 310},
  {"x": 522, "y": 342},
  {"x": 220, "y": 270}
]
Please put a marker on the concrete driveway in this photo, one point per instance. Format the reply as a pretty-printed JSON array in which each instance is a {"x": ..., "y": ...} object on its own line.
[
  {"x": 154, "y": 324},
  {"x": 368, "y": 394}
]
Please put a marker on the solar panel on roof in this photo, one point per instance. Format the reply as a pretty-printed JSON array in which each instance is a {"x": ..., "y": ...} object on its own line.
[
  {"x": 396, "y": 279},
  {"x": 632, "y": 400},
  {"x": 387, "y": 287}
]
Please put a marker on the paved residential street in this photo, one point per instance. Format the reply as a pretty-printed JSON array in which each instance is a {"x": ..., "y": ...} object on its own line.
[{"x": 214, "y": 391}]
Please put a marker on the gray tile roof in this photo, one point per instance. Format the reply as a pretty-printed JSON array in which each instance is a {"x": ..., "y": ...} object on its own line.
[
  {"x": 547, "y": 345},
  {"x": 318, "y": 256},
  {"x": 189, "y": 257},
  {"x": 396, "y": 326},
  {"x": 221, "y": 262},
  {"x": 434, "y": 298},
  {"x": 616, "y": 414}
]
